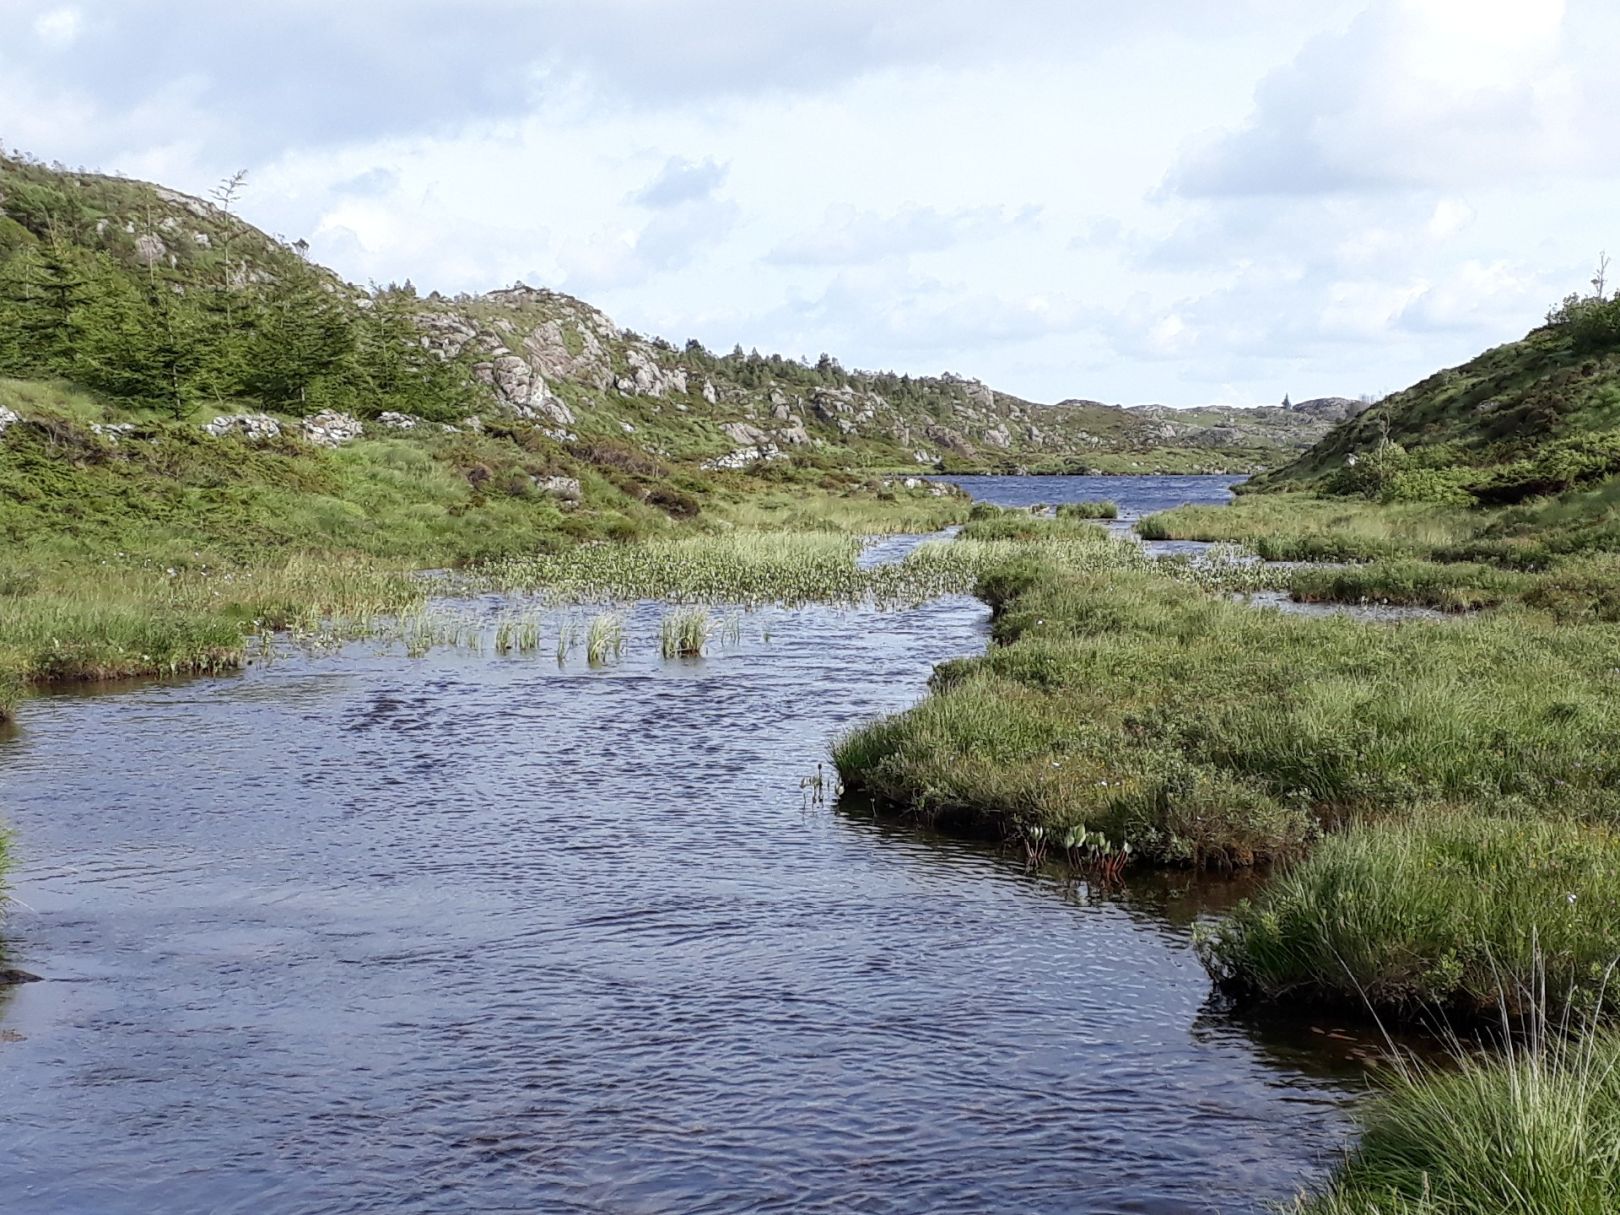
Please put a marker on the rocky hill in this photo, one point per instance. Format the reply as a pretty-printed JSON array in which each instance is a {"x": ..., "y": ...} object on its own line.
[{"x": 239, "y": 321}]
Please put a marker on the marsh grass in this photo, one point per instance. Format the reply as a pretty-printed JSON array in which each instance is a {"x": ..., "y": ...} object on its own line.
[
  {"x": 1088, "y": 510},
  {"x": 1531, "y": 1130},
  {"x": 1203, "y": 731},
  {"x": 1459, "y": 913},
  {"x": 605, "y": 638},
  {"x": 1297, "y": 527},
  {"x": 685, "y": 632}
]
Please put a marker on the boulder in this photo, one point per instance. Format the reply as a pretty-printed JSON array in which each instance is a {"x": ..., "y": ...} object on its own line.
[{"x": 7, "y": 418}]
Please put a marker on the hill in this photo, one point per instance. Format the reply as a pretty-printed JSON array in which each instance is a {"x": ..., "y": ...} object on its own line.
[
  {"x": 162, "y": 303},
  {"x": 1533, "y": 418}
]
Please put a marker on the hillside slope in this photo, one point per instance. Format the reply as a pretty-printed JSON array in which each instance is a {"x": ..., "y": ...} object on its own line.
[
  {"x": 158, "y": 301},
  {"x": 1531, "y": 418}
]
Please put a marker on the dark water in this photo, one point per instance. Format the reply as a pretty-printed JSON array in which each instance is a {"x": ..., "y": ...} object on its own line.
[{"x": 358, "y": 933}]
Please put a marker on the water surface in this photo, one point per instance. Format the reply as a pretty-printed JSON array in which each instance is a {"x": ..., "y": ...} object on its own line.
[{"x": 464, "y": 933}]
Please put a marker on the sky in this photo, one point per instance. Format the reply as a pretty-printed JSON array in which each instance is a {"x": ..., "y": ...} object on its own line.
[{"x": 1173, "y": 201}]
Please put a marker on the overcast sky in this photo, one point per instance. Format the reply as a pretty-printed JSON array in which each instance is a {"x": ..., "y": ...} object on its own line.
[{"x": 1179, "y": 201}]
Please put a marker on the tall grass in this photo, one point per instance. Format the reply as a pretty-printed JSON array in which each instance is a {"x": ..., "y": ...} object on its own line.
[
  {"x": 1534, "y": 1131},
  {"x": 1456, "y": 912},
  {"x": 685, "y": 632}
]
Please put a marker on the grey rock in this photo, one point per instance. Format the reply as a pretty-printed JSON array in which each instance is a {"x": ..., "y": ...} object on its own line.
[
  {"x": 113, "y": 431},
  {"x": 329, "y": 428},
  {"x": 7, "y": 418},
  {"x": 150, "y": 249},
  {"x": 254, "y": 427},
  {"x": 398, "y": 421},
  {"x": 565, "y": 489}
]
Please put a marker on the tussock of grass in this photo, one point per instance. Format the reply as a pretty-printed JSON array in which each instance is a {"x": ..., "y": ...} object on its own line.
[
  {"x": 685, "y": 632},
  {"x": 1535, "y": 1131},
  {"x": 1454, "y": 912},
  {"x": 1088, "y": 510}
]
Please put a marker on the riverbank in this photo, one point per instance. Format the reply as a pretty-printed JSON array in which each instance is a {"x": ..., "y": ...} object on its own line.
[{"x": 163, "y": 551}]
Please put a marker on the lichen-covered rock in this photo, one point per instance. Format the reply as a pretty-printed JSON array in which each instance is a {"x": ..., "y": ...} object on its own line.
[
  {"x": 329, "y": 428},
  {"x": 150, "y": 249},
  {"x": 254, "y": 427}
]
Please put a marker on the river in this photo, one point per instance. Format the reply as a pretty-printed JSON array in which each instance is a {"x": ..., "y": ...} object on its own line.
[{"x": 351, "y": 932}]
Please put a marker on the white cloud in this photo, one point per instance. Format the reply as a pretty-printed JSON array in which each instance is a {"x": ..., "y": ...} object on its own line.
[
  {"x": 1171, "y": 200},
  {"x": 58, "y": 28}
]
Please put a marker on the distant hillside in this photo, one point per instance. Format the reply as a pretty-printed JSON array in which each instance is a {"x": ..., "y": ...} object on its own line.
[
  {"x": 159, "y": 301},
  {"x": 1535, "y": 417}
]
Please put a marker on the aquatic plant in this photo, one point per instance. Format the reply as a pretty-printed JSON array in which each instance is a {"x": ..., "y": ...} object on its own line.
[
  {"x": 685, "y": 632},
  {"x": 605, "y": 638}
]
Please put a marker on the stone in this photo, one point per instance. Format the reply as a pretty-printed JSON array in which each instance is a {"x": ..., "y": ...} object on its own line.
[
  {"x": 8, "y": 417},
  {"x": 709, "y": 394},
  {"x": 794, "y": 436},
  {"x": 254, "y": 427},
  {"x": 150, "y": 249},
  {"x": 329, "y": 428},
  {"x": 113, "y": 431},
  {"x": 566, "y": 489},
  {"x": 399, "y": 421},
  {"x": 745, "y": 435}
]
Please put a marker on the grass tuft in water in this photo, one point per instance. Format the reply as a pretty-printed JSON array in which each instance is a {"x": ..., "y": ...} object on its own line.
[
  {"x": 605, "y": 638},
  {"x": 685, "y": 632}
]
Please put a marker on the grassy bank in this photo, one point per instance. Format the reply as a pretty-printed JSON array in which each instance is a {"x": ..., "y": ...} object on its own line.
[
  {"x": 161, "y": 550},
  {"x": 1200, "y": 730},
  {"x": 1452, "y": 913},
  {"x": 1534, "y": 1131}
]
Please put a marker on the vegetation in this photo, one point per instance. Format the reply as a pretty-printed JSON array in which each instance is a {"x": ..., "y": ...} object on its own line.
[
  {"x": 1199, "y": 730},
  {"x": 1534, "y": 1130},
  {"x": 1088, "y": 510},
  {"x": 1448, "y": 912}
]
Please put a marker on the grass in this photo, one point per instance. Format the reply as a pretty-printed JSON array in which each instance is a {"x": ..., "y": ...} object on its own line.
[
  {"x": 1202, "y": 731},
  {"x": 1088, "y": 510},
  {"x": 685, "y": 632},
  {"x": 1298, "y": 527},
  {"x": 1533, "y": 1131},
  {"x": 605, "y": 638},
  {"x": 1451, "y": 912}
]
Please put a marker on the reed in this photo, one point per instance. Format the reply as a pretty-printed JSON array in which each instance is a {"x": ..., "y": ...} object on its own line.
[
  {"x": 605, "y": 638},
  {"x": 685, "y": 632}
]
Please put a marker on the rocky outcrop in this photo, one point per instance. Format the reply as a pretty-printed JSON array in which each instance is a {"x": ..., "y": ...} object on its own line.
[
  {"x": 566, "y": 490},
  {"x": 254, "y": 427}
]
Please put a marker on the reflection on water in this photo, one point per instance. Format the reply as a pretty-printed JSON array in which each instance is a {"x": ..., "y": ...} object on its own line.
[{"x": 468, "y": 934}]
